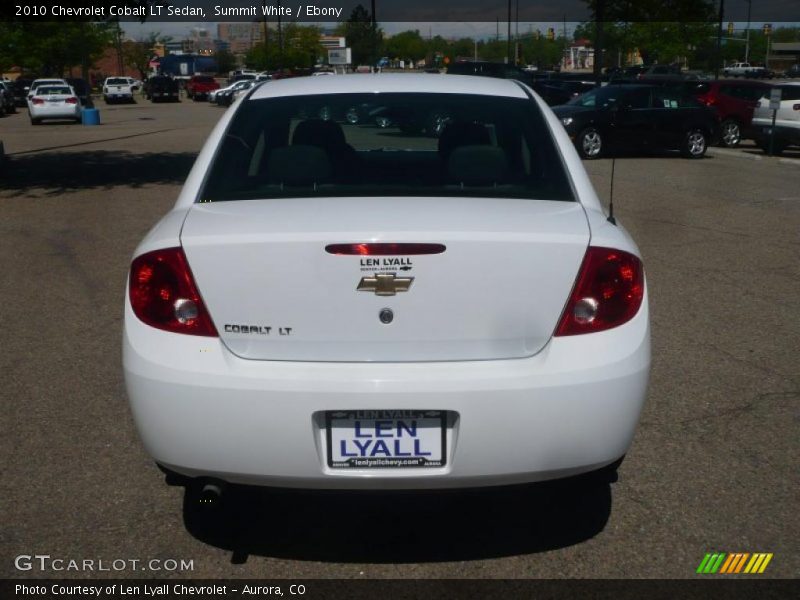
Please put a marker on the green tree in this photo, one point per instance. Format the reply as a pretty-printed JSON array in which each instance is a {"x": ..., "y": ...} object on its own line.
[
  {"x": 407, "y": 45},
  {"x": 364, "y": 39},
  {"x": 301, "y": 49},
  {"x": 226, "y": 61}
]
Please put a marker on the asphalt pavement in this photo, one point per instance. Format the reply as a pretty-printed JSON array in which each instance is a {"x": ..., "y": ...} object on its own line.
[{"x": 714, "y": 465}]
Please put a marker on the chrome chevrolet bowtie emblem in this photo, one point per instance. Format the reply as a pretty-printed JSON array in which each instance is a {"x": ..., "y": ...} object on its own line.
[{"x": 384, "y": 284}]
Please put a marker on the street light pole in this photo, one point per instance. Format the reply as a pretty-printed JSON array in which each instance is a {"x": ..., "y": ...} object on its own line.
[
  {"x": 508, "y": 40},
  {"x": 747, "y": 40}
]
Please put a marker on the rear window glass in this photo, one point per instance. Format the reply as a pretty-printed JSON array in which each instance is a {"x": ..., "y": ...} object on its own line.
[
  {"x": 117, "y": 81},
  {"x": 387, "y": 145},
  {"x": 204, "y": 79},
  {"x": 789, "y": 92},
  {"x": 44, "y": 90}
]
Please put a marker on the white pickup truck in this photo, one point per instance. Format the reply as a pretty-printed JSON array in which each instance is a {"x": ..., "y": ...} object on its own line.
[
  {"x": 119, "y": 88},
  {"x": 740, "y": 69}
]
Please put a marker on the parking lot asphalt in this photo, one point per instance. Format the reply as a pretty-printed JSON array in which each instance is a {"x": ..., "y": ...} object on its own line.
[{"x": 714, "y": 465}]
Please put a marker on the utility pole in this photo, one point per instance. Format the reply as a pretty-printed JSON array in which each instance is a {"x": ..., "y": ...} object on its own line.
[
  {"x": 508, "y": 39},
  {"x": 718, "y": 61},
  {"x": 280, "y": 39},
  {"x": 747, "y": 39}
]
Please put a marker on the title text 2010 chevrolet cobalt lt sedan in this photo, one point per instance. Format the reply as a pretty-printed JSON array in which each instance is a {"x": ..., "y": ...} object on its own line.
[{"x": 339, "y": 305}]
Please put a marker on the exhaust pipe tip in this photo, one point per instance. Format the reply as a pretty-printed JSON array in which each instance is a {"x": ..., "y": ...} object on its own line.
[{"x": 210, "y": 495}]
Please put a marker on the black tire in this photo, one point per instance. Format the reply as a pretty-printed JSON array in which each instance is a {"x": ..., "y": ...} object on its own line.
[
  {"x": 731, "y": 133},
  {"x": 36, "y": 121},
  {"x": 695, "y": 143},
  {"x": 590, "y": 143}
]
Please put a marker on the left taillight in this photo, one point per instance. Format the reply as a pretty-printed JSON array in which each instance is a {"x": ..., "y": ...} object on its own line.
[
  {"x": 607, "y": 293},
  {"x": 163, "y": 294},
  {"x": 37, "y": 101}
]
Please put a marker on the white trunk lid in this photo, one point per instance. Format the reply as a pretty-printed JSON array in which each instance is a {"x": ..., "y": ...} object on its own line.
[{"x": 275, "y": 293}]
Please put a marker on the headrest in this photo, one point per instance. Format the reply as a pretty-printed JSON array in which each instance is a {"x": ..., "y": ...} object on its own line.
[
  {"x": 299, "y": 165},
  {"x": 461, "y": 133},
  {"x": 316, "y": 132},
  {"x": 477, "y": 165}
]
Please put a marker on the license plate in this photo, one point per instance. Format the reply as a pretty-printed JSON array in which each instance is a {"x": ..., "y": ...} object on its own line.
[{"x": 369, "y": 439}]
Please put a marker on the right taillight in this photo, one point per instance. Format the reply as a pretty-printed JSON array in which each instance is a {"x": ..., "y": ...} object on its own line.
[
  {"x": 607, "y": 293},
  {"x": 163, "y": 294}
]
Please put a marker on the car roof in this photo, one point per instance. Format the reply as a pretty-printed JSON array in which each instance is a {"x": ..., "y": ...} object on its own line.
[{"x": 390, "y": 83}]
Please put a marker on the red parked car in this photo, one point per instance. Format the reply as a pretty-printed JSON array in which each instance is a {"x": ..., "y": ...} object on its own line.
[
  {"x": 734, "y": 101},
  {"x": 199, "y": 86}
]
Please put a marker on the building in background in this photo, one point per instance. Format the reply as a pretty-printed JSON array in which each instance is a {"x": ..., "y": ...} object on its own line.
[{"x": 241, "y": 37}]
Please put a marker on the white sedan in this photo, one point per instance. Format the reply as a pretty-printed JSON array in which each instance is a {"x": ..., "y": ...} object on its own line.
[
  {"x": 54, "y": 102},
  {"x": 439, "y": 303}
]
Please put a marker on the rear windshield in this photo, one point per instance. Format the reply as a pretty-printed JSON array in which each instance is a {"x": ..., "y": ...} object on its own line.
[
  {"x": 204, "y": 79},
  {"x": 387, "y": 145},
  {"x": 117, "y": 81},
  {"x": 788, "y": 92},
  {"x": 44, "y": 90}
]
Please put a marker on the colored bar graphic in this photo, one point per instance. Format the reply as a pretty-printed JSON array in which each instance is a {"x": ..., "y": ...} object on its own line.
[
  {"x": 718, "y": 562},
  {"x": 765, "y": 563},
  {"x": 703, "y": 563},
  {"x": 724, "y": 563},
  {"x": 741, "y": 562},
  {"x": 731, "y": 560}
]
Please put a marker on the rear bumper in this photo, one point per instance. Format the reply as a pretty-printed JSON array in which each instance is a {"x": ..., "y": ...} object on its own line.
[
  {"x": 783, "y": 134},
  {"x": 570, "y": 409}
]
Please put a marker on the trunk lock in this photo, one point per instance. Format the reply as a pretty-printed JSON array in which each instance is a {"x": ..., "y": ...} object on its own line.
[{"x": 386, "y": 316}]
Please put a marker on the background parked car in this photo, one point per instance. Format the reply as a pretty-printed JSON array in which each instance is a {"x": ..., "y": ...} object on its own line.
[
  {"x": 734, "y": 102},
  {"x": 7, "y": 104},
  {"x": 162, "y": 88},
  {"x": 54, "y": 102},
  {"x": 82, "y": 90},
  {"x": 20, "y": 89},
  {"x": 638, "y": 116},
  {"x": 118, "y": 88},
  {"x": 199, "y": 86},
  {"x": 787, "y": 120},
  {"x": 793, "y": 71}
]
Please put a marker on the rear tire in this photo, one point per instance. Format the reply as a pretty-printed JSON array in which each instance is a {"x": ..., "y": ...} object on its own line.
[
  {"x": 590, "y": 143},
  {"x": 731, "y": 133},
  {"x": 695, "y": 144},
  {"x": 36, "y": 121}
]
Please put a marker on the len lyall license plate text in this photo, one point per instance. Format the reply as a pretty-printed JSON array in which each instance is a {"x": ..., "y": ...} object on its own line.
[{"x": 361, "y": 439}]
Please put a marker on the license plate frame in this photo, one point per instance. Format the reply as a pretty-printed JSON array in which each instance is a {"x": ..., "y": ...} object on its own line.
[{"x": 340, "y": 426}]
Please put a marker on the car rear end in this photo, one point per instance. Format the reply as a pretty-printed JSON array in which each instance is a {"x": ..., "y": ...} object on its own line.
[
  {"x": 200, "y": 86},
  {"x": 117, "y": 89},
  {"x": 54, "y": 102},
  {"x": 332, "y": 305}
]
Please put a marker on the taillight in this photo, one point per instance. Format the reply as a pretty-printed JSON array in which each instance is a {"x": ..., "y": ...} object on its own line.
[
  {"x": 607, "y": 293},
  {"x": 71, "y": 100},
  {"x": 163, "y": 294},
  {"x": 37, "y": 101},
  {"x": 796, "y": 107},
  {"x": 707, "y": 99}
]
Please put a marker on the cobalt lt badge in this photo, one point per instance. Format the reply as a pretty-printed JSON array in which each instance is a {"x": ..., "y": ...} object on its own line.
[{"x": 385, "y": 284}]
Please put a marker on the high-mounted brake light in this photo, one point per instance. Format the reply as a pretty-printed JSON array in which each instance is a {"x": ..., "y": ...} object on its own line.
[
  {"x": 384, "y": 249},
  {"x": 608, "y": 292},
  {"x": 163, "y": 294}
]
